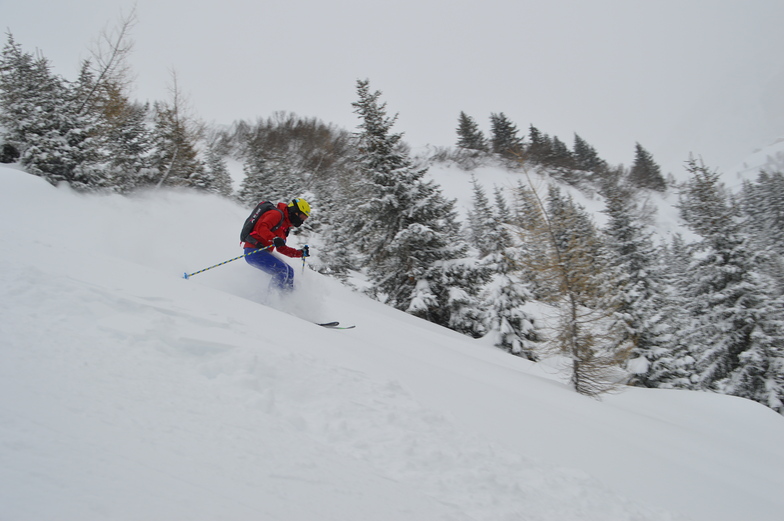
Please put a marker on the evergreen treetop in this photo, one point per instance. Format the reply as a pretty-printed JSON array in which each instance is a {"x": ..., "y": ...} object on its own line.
[
  {"x": 645, "y": 173},
  {"x": 469, "y": 136}
]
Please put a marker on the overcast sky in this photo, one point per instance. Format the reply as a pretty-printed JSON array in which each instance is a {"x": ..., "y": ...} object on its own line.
[{"x": 678, "y": 76}]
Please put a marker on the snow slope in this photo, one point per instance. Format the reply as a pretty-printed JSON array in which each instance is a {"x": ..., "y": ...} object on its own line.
[{"x": 128, "y": 393}]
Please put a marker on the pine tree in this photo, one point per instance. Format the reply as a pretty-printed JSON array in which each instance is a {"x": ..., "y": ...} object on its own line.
[
  {"x": 338, "y": 190},
  {"x": 739, "y": 340},
  {"x": 122, "y": 138},
  {"x": 337, "y": 255},
  {"x": 673, "y": 367},
  {"x": 636, "y": 292},
  {"x": 540, "y": 146},
  {"x": 128, "y": 144},
  {"x": 174, "y": 147},
  {"x": 18, "y": 94},
  {"x": 505, "y": 320},
  {"x": 408, "y": 231},
  {"x": 469, "y": 136},
  {"x": 39, "y": 113},
  {"x": 220, "y": 181},
  {"x": 645, "y": 173},
  {"x": 762, "y": 203},
  {"x": 503, "y": 213},
  {"x": 175, "y": 143},
  {"x": 389, "y": 176},
  {"x": 561, "y": 156},
  {"x": 483, "y": 227},
  {"x": 505, "y": 140},
  {"x": 585, "y": 156},
  {"x": 82, "y": 132},
  {"x": 265, "y": 180}
]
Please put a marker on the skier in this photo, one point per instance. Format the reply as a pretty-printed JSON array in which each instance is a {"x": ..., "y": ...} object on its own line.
[{"x": 271, "y": 229}]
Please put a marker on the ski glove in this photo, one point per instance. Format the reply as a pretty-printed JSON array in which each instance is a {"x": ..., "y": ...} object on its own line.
[
  {"x": 305, "y": 251},
  {"x": 278, "y": 242}
]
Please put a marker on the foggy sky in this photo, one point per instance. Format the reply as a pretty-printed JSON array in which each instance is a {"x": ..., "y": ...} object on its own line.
[{"x": 677, "y": 76}]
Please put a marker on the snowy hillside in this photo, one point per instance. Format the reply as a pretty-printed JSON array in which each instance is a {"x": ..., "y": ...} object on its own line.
[
  {"x": 457, "y": 184},
  {"x": 129, "y": 393}
]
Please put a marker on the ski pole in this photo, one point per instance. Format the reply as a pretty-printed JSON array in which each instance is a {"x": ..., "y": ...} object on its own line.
[{"x": 186, "y": 276}]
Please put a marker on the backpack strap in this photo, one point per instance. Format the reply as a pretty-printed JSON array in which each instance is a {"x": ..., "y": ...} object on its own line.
[{"x": 282, "y": 218}]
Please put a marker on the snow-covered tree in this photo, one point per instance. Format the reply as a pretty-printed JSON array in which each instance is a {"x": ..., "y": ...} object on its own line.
[
  {"x": 18, "y": 94},
  {"x": 673, "y": 367},
  {"x": 407, "y": 230},
  {"x": 127, "y": 144},
  {"x": 738, "y": 342},
  {"x": 39, "y": 112},
  {"x": 265, "y": 180},
  {"x": 174, "y": 152},
  {"x": 636, "y": 291},
  {"x": 218, "y": 179},
  {"x": 175, "y": 143},
  {"x": 762, "y": 203},
  {"x": 505, "y": 320},
  {"x": 483, "y": 221}
]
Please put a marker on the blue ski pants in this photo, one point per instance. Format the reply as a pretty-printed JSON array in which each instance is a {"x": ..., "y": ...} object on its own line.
[{"x": 266, "y": 261}]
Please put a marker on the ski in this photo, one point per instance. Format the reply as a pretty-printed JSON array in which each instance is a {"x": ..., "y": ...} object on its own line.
[{"x": 334, "y": 325}]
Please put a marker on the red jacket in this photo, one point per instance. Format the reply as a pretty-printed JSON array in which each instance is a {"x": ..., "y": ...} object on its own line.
[{"x": 263, "y": 232}]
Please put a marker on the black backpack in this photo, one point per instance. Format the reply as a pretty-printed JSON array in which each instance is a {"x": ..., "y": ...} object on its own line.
[{"x": 250, "y": 223}]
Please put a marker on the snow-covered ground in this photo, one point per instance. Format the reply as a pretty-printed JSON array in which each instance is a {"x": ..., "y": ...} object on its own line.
[{"x": 130, "y": 393}]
